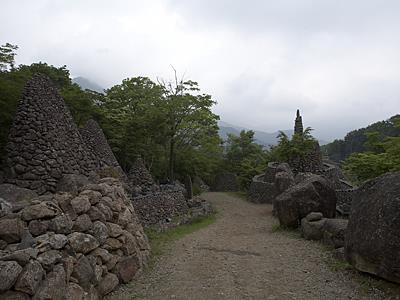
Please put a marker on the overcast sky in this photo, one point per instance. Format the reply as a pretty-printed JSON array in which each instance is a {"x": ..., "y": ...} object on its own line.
[{"x": 336, "y": 60}]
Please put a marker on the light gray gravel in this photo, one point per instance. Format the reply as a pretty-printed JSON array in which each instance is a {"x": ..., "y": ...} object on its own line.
[{"x": 241, "y": 257}]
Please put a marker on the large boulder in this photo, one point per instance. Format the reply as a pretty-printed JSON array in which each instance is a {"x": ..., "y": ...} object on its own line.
[
  {"x": 372, "y": 239},
  {"x": 311, "y": 195}
]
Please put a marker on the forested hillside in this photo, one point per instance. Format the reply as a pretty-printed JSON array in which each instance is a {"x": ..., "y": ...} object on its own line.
[{"x": 354, "y": 141}]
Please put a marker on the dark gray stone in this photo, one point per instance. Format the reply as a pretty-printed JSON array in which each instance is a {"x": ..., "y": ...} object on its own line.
[
  {"x": 9, "y": 272},
  {"x": 30, "y": 278},
  {"x": 82, "y": 243},
  {"x": 312, "y": 195},
  {"x": 108, "y": 284},
  {"x": 372, "y": 239}
]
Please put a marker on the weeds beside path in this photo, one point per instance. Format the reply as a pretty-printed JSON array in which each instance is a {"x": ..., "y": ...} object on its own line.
[{"x": 241, "y": 256}]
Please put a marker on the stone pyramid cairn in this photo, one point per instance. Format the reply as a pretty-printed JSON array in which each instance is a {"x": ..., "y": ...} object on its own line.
[
  {"x": 140, "y": 178},
  {"x": 44, "y": 142},
  {"x": 97, "y": 142}
]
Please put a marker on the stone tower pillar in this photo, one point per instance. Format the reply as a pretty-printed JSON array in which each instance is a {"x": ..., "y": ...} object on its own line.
[{"x": 298, "y": 125}]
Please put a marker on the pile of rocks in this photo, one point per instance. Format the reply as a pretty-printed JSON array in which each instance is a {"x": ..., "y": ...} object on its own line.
[
  {"x": 225, "y": 182},
  {"x": 160, "y": 207},
  {"x": 155, "y": 204},
  {"x": 44, "y": 142},
  {"x": 96, "y": 141},
  {"x": 140, "y": 179},
  {"x": 70, "y": 246}
]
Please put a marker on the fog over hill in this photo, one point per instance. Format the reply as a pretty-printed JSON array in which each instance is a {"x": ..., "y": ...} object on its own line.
[
  {"x": 261, "y": 137},
  {"x": 87, "y": 84}
]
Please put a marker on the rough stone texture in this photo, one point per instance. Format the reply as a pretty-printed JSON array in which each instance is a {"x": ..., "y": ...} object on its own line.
[
  {"x": 312, "y": 230},
  {"x": 96, "y": 141},
  {"x": 265, "y": 187},
  {"x": 108, "y": 284},
  {"x": 261, "y": 191},
  {"x": 140, "y": 178},
  {"x": 44, "y": 143},
  {"x": 312, "y": 195},
  {"x": 16, "y": 196},
  {"x": 160, "y": 206},
  {"x": 225, "y": 182},
  {"x": 311, "y": 162},
  {"x": 334, "y": 232},
  {"x": 283, "y": 181},
  {"x": 9, "y": 271},
  {"x": 372, "y": 239},
  {"x": 30, "y": 278},
  {"x": 11, "y": 230},
  {"x": 66, "y": 252}
]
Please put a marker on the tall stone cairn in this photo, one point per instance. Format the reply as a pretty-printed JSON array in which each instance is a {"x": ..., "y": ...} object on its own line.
[
  {"x": 298, "y": 125},
  {"x": 96, "y": 141},
  {"x": 44, "y": 142},
  {"x": 139, "y": 175}
]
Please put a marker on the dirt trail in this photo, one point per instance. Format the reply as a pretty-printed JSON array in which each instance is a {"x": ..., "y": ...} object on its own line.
[{"x": 240, "y": 257}]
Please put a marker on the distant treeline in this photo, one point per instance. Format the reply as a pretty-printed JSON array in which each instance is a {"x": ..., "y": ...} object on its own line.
[{"x": 355, "y": 141}]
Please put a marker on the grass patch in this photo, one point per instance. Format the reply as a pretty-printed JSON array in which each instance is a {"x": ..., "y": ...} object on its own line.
[
  {"x": 291, "y": 232},
  {"x": 159, "y": 239}
]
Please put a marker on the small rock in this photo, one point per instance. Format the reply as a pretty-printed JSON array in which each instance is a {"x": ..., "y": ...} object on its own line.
[
  {"x": 108, "y": 284},
  {"x": 84, "y": 272},
  {"x": 11, "y": 230},
  {"x": 80, "y": 204},
  {"x": 82, "y": 223},
  {"x": 61, "y": 224},
  {"x": 53, "y": 286},
  {"x": 314, "y": 216},
  {"x": 30, "y": 278},
  {"x": 127, "y": 268},
  {"x": 82, "y": 242},
  {"x": 9, "y": 272},
  {"x": 42, "y": 210},
  {"x": 38, "y": 227},
  {"x": 49, "y": 258},
  {"x": 21, "y": 256},
  {"x": 74, "y": 292},
  {"x": 100, "y": 231}
]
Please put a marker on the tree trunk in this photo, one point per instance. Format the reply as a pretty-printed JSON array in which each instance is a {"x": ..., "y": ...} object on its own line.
[{"x": 171, "y": 160}]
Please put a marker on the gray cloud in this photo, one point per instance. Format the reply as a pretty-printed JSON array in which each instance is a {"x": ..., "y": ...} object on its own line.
[{"x": 336, "y": 60}]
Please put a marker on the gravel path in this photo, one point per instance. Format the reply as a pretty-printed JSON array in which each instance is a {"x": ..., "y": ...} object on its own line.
[{"x": 240, "y": 257}]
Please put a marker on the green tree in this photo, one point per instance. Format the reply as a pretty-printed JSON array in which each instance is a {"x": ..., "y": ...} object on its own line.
[
  {"x": 298, "y": 145},
  {"x": 382, "y": 157},
  {"x": 7, "y": 56},
  {"x": 244, "y": 157},
  {"x": 189, "y": 118}
]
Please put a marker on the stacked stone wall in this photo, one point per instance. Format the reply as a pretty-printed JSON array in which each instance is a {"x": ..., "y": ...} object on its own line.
[
  {"x": 96, "y": 141},
  {"x": 66, "y": 246},
  {"x": 261, "y": 191},
  {"x": 44, "y": 142},
  {"x": 160, "y": 207}
]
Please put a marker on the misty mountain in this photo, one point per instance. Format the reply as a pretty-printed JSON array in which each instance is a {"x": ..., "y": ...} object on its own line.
[
  {"x": 261, "y": 137},
  {"x": 86, "y": 84}
]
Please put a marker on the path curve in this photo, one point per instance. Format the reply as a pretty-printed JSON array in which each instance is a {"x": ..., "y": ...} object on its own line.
[{"x": 240, "y": 257}]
